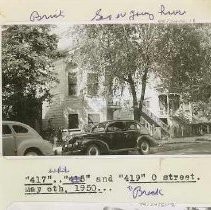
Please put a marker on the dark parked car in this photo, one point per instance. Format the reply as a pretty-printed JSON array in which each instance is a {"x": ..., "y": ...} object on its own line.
[{"x": 111, "y": 137}]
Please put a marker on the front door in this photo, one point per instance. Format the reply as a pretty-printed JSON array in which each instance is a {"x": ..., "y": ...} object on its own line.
[
  {"x": 115, "y": 133},
  {"x": 9, "y": 141}
]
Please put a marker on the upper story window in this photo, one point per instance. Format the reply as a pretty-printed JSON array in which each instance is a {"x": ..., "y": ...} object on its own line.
[
  {"x": 174, "y": 103},
  {"x": 92, "y": 84},
  {"x": 72, "y": 83}
]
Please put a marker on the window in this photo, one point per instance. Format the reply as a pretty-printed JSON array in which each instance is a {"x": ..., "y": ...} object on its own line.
[
  {"x": 6, "y": 129},
  {"x": 147, "y": 104},
  {"x": 163, "y": 104},
  {"x": 174, "y": 102},
  {"x": 93, "y": 118},
  {"x": 99, "y": 128},
  {"x": 117, "y": 126},
  {"x": 73, "y": 121},
  {"x": 72, "y": 84},
  {"x": 92, "y": 84},
  {"x": 133, "y": 126},
  {"x": 19, "y": 129}
]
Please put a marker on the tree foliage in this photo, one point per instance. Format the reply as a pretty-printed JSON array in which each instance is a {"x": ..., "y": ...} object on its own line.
[
  {"x": 28, "y": 52},
  {"x": 124, "y": 52},
  {"x": 187, "y": 69},
  {"x": 178, "y": 54}
]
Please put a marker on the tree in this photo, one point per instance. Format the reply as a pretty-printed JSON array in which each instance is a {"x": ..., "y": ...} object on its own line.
[
  {"x": 177, "y": 54},
  {"x": 28, "y": 52},
  {"x": 125, "y": 52},
  {"x": 187, "y": 69}
]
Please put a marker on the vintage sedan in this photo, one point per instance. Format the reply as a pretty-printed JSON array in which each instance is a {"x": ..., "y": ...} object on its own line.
[
  {"x": 20, "y": 139},
  {"x": 111, "y": 137}
]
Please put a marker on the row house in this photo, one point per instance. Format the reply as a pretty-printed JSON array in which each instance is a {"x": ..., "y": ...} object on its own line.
[
  {"x": 75, "y": 102},
  {"x": 81, "y": 99}
]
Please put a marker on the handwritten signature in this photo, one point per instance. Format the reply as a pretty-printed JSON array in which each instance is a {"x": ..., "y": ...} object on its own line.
[
  {"x": 36, "y": 16},
  {"x": 139, "y": 192},
  {"x": 134, "y": 14}
]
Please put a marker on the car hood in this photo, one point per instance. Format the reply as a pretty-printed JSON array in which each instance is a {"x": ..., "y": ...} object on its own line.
[{"x": 82, "y": 135}]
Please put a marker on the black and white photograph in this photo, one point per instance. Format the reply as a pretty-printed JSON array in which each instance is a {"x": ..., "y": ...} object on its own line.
[
  {"x": 96, "y": 206},
  {"x": 106, "y": 89}
]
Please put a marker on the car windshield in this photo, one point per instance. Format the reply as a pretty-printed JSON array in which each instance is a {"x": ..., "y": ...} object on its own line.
[
  {"x": 133, "y": 126},
  {"x": 99, "y": 128},
  {"x": 116, "y": 126}
]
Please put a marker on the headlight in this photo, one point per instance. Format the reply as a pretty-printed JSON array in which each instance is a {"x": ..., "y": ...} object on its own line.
[
  {"x": 76, "y": 143},
  {"x": 67, "y": 146}
]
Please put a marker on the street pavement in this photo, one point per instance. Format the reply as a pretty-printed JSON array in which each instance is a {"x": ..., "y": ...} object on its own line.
[
  {"x": 197, "y": 148},
  {"x": 197, "y": 145}
]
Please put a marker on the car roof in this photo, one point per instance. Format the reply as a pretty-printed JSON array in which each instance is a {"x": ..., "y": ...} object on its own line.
[
  {"x": 20, "y": 123},
  {"x": 107, "y": 121},
  {"x": 16, "y": 123},
  {"x": 12, "y": 122}
]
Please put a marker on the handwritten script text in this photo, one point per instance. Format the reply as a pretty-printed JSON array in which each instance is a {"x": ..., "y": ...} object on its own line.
[
  {"x": 139, "y": 192},
  {"x": 36, "y": 16},
  {"x": 134, "y": 15}
]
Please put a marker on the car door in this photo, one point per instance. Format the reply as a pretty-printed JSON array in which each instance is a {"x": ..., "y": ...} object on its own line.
[
  {"x": 9, "y": 141},
  {"x": 115, "y": 133},
  {"x": 132, "y": 134}
]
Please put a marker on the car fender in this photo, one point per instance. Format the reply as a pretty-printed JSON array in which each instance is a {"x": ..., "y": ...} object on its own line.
[
  {"x": 98, "y": 142},
  {"x": 149, "y": 138},
  {"x": 26, "y": 144}
]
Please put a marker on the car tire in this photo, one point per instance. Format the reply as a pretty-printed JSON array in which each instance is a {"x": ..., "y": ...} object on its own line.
[
  {"x": 93, "y": 149},
  {"x": 144, "y": 147},
  {"x": 31, "y": 153}
]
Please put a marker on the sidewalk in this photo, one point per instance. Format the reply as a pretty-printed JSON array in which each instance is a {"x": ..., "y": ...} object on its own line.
[
  {"x": 180, "y": 143},
  {"x": 192, "y": 139}
]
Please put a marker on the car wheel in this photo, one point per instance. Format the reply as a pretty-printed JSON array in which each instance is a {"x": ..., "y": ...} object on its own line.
[
  {"x": 31, "y": 153},
  {"x": 93, "y": 150},
  {"x": 144, "y": 147}
]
